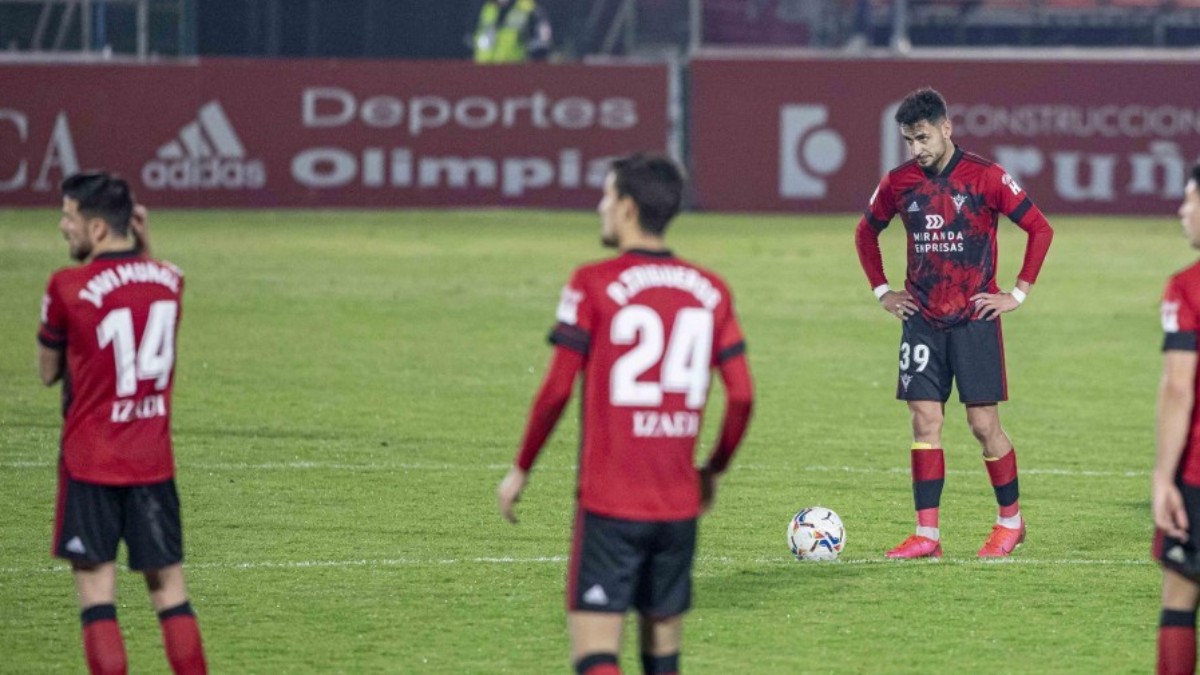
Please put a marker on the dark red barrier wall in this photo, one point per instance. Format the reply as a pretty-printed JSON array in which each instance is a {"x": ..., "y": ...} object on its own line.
[
  {"x": 322, "y": 133},
  {"x": 815, "y": 136}
]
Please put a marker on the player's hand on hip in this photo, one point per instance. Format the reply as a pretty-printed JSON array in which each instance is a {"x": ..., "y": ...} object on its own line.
[
  {"x": 899, "y": 304},
  {"x": 509, "y": 492},
  {"x": 1170, "y": 516},
  {"x": 989, "y": 306}
]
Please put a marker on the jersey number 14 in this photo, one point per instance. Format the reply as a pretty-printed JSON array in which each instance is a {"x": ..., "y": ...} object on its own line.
[{"x": 155, "y": 356}]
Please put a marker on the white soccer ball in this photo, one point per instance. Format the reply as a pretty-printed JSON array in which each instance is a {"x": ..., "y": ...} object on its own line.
[{"x": 816, "y": 533}]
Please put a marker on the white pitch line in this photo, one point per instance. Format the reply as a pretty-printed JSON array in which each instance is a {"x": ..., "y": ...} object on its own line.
[
  {"x": 371, "y": 467},
  {"x": 701, "y": 562}
]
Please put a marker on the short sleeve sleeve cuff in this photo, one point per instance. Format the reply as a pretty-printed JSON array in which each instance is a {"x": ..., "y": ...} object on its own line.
[
  {"x": 1183, "y": 341},
  {"x": 50, "y": 340},
  {"x": 732, "y": 351},
  {"x": 571, "y": 337}
]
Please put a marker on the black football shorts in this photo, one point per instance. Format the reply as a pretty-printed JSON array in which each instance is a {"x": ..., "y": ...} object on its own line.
[
  {"x": 970, "y": 355},
  {"x": 91, "y": 519},
  {"x": 618, "y": 564},
  {"x": 1182, "y": 556}
]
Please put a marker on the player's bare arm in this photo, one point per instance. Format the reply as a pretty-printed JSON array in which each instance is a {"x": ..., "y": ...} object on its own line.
[
  {"x": 708, "y": 489},
  {"x": 1176, "y": 395},
  {"x": 509, "y": 492},
  {"x": 50, "y": 364}
]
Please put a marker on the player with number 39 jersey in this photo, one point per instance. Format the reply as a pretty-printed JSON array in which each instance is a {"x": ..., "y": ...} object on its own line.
[
  {"x": 645, "y": 329},
  {"x": 950, "y": 202},
  {"x": 116, "y": 318}
]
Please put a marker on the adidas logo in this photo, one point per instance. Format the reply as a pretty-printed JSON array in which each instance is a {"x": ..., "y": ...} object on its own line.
[
  {"x": 596, "y": 596},
  {"x": 1177, "y": 555},
  {"x": 913, "y": 208},
  {"x": 75, "y": 545},
  {"x": 206, "y": 155}
]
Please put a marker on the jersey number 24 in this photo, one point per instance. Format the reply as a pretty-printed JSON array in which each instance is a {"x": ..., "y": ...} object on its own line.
[{"x": 685, "y": 356}]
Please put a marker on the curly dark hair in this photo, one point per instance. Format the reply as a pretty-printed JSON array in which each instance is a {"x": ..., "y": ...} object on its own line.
[{"x": 923, "y": 104}]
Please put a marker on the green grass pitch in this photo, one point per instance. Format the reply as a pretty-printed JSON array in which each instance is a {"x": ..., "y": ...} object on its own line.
[{"x": 352, "y": 385}]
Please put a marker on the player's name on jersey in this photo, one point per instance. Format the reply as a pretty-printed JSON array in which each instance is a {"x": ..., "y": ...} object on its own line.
[
  {"x": 637, "y": 279},
  {"x": 938, "y": 242},
  {"x": 147, "y": 407},
  {"x": 660, "y": 424},
  {"x": 110, "y": 279}
]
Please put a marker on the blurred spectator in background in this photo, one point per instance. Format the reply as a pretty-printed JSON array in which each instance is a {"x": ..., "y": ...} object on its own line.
[
  {"x": 512, "y": 31},
  {"x": 861, "y": 31}
]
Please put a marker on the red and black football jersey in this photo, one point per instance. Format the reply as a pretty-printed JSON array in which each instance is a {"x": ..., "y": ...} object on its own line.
[
  {"x": 651, "y": 328},
  {"x": 1180, "y": 322},
  {"x": 116, "y": 318},
  {"x": 951, "y": 220}
]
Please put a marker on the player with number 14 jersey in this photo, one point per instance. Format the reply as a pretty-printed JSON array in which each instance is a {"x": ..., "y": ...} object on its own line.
[{"x": 116, "y": 318}]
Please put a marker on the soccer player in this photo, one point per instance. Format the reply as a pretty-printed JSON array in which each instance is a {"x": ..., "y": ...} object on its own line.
[
  {"x": 950, "y": 201},
  {"x": 108, "y": 333},
  {"x": 1176, "y": 483},
  {"x": 645, "y": 329}
]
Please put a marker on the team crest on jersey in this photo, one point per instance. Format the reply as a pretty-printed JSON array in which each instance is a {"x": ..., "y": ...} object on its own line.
[
  {"x": 1170, "y": 316},
  {"x": 959, "y": 200},
  {"x": 1011, "y": 183}
]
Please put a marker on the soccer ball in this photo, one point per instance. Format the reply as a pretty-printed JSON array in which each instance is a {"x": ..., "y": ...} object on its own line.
[{"x": 816, "y": 533}]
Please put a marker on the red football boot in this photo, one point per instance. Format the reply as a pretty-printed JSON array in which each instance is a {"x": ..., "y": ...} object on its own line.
[
  {"x": 1002, "y": 541},
  {"x": 917, "y": 546}
]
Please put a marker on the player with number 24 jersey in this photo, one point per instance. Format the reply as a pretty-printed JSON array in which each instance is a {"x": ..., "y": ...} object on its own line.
[
  {"x": 646, "y": 329},
  {"x": 651, "y": 327}
]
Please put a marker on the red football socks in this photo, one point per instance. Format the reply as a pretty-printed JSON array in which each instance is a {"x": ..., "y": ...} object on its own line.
[
  {"x": 928, "y": 477},
  {"x": 181, "y": 637},
  {"x": 1176, "y": 642},
  {"x": 1003, "y": 473},
  {"x": 102, "y": 643}
]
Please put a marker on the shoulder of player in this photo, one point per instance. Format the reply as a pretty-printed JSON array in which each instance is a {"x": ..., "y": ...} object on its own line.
[
  {"x": 972, "y": 159},
  {"x": 82, "y": 275},
  {"x": 169, "y": 265},
  {"x": 711, "y": 275},
  {"x": 904, "y": 169},
  {"x": 591, "y": 269},
  {"x": 1188, "y": 277},
  {"x": 608, "y": 270},
  {"x": 65, "y": 274}
]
